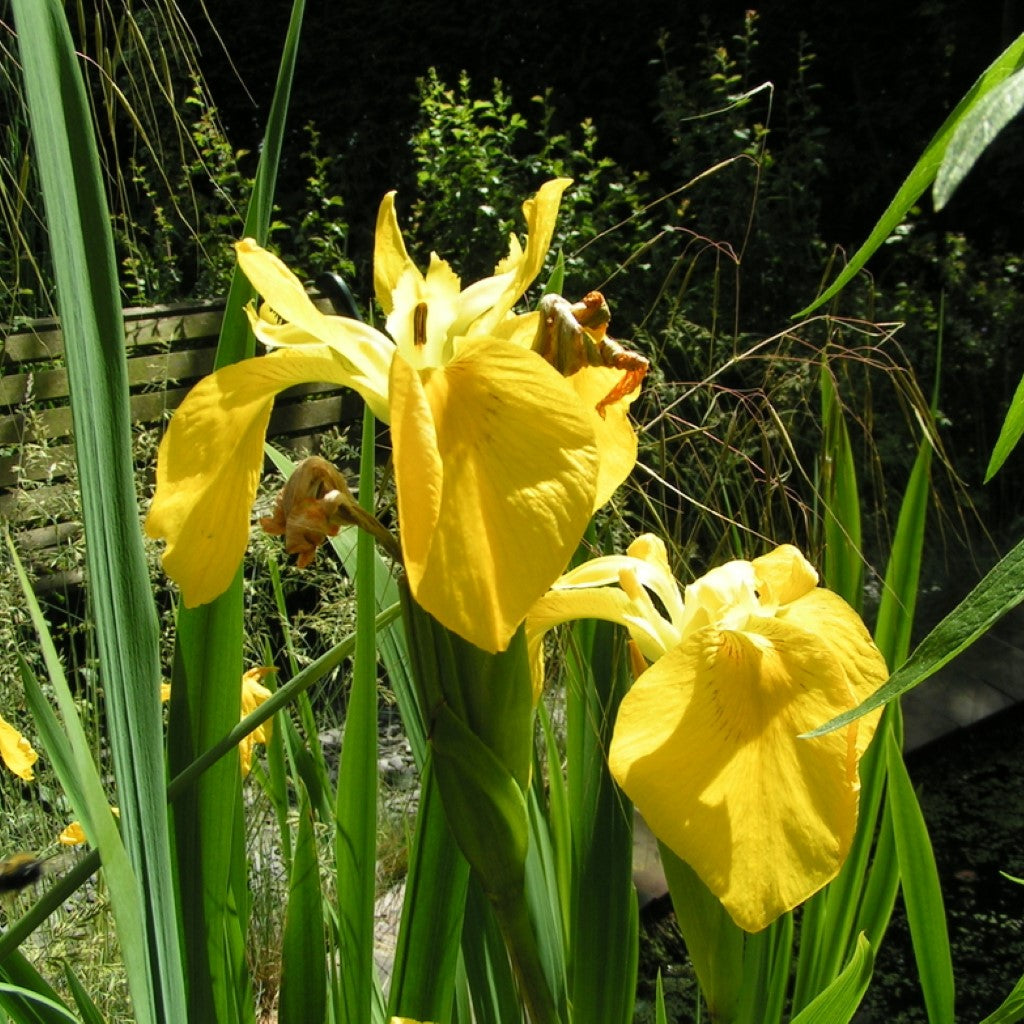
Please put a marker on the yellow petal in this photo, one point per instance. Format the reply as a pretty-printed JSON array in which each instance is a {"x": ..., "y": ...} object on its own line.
[
  {"x": 784, "y": 575},
  {"x": 541, "y": 213},
  {"x": 433, "y": 302},
  {"x": 209, "y": 465},
  {"x": 280, "y": 288},
  {"x": 254, "y": 694},
  {"x": 390, "y": 258},
  {"x": 706, "y": 745},
  {"x": 73, "y": 835},
  {"x": 495, "y": 465},
  {"x": 558, "y": 606},
  {"x": 840, "y": 628},
  {"x": 616, "y": 439},
  {"x": 16, "y": 751}
]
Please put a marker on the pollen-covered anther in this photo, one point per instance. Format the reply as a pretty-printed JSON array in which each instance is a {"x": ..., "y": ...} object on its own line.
[{"x": 419, "y": 325}]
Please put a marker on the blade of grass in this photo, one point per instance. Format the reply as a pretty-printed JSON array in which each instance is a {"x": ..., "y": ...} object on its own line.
[
  {"x": 924, "y": 171},
  {"x": 87, "y": 1009},
  {"x": 356, "y": 811},
  {"x": 839, "y": 1002},
  {"x": 922, "y": 893},
  {"x": 209, "y": 834},
  {"x": 303, "y": 994},
  {"x": 119, "y": 591}
]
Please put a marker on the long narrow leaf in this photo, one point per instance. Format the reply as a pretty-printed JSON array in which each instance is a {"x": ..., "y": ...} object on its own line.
[
  {"x": 422, "y": 987},
  {"x": 924, "y": 171},
  {"x": 209, "y": 829},
  {"x": 922, "y": 893},
  {"x": 603, "y": 926},
  {"x": 1009, "y": 433},
  {"x": 839, "y": 1002},
  {"x": 119, "y": 591},
  {"x": 1011, "y": 1010},
  {"x": 355, "y": 842},
  {"x": 840, "y": 495},
  {"x": 303, "y": 997},
  {"x": 26, "y": 995},
  {"x": 1001, "y": 589},
  {"x": 975, "y": 133}
]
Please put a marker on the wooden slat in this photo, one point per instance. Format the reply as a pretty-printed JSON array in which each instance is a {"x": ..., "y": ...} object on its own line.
[
  {"x": 149, "y": 326},
  {"x": 169, "y": 348}
]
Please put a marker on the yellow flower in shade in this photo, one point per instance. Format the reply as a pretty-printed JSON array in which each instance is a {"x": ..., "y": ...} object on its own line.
[
  {"x": 499, "y": 461},
  {"x": 254, "y": 693},
  {"x": 74, "y": 834},
  {"x": 707, "y": 742},
  {"x": 16, "y": 751}
]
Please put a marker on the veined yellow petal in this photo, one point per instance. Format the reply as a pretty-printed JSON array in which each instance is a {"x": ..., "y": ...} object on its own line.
[
  {"x": 390, "y": 257},
  {"x": 16, "y": 751},
  {"x": 840, "y": 628},
  {"x": 495, "y": 464},
  {"x": 209, "y": 464},
  {"x": 706, "y": 745},
  {"x": 616, "y": 438}
]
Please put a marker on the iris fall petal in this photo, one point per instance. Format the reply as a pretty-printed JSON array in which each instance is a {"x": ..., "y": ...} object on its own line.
[
  {"x": 497, "y": 469},
  {"x": 209, "y": 465}
]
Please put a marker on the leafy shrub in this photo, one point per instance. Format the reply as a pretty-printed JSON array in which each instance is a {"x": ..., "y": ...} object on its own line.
[{"x": 477, "y": 159}]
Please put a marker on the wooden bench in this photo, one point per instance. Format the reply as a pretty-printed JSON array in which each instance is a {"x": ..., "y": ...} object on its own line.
[{"x": 169, "y": 348}]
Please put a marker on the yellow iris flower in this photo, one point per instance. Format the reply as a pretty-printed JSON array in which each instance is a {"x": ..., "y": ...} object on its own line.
[
  {"x": 707, "y": 741},
  {"x": 499, "y": 459},
  {"x": 16, "y": 751},
  {"x": 254, "y": 693}
]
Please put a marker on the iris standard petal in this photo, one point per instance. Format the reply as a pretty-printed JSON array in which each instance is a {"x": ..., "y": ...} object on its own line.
[
  {"x": 495, "y": 465},
  {"x": 541, "y": 213},
  {"x": 209, "y": 465},
  {"x": 784, "y": 575},
  {"x": 278, "y": 286},
  {"x": 16, "y": 751},
  {"x": 422, "y": 312},
  {"x": 706, "y": 747},
  {"x": 390, "y": 257}
]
